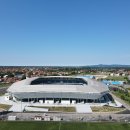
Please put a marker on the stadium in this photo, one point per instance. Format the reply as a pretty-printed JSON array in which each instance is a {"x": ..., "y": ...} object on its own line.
[{"x": 60, "y": 89}]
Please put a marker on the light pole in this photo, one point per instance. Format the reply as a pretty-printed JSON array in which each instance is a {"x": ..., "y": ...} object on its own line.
[
  {"x": 61, "y": 112},
  {"x": 21, "y": 109}
]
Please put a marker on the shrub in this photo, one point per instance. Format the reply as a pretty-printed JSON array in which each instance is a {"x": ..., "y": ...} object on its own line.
[{"x": 122, "y": 97}]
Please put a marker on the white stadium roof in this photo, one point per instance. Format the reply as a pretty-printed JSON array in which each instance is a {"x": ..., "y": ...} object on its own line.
[{"x": 91, "y": 87}]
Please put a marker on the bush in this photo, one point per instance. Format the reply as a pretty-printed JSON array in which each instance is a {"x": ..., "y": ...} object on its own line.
[{"x": 122, "y": 97}]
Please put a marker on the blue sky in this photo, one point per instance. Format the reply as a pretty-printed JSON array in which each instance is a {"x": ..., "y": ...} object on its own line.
[{"x": 64, "y": 32}]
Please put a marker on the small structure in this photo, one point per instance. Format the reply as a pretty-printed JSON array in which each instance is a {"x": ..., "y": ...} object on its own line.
[
  {"x": 49, "y": 101},
  {"x": 5, "y": 76},
  {"x": 0, "y": 79},
  {"x": 12, "y": 118},
  {"x": 36, "y": 109},
  {"x": 20, "y": 76},
  {"x": 47, "y": 118},
  {"x": 73, "y": 102},
  {"x": 14, "y": 98},
  {"x": 41, "y": 101},
  {"x": 7, "y": 97},
  {"x": 112, "y": 74},
  {"x": 65, "y": 102},
  {"x": 82, "y": 102},
  {"x": 117, "y": 75},
  {"x": 55, "y": 118},
  {"x": 123, "y": 74},
  {"x": 38, "y": 118}
]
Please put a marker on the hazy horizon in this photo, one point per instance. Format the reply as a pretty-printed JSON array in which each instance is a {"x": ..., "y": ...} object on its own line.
[{"x": 69, "y": 65}]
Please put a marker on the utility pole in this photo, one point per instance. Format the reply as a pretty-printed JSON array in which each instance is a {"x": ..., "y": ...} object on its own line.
[{"x": 21, "y": 109}]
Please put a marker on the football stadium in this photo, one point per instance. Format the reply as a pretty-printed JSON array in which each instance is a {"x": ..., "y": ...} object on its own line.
[{"x": 59, "y": 89}]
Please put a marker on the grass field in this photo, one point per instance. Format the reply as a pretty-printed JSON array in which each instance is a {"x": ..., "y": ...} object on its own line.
[
  {"x": 59, "y": 109},
  {"x": 117, "y": 78},
  {"x": 123, "y": 96},
  {"x": 106, "y": 109},
  {"x": 63, "y": 109},
  {"x": 63, "y": 126},
  {"x": 4, "y": 106},
  {"x": 5, "y": 84}
]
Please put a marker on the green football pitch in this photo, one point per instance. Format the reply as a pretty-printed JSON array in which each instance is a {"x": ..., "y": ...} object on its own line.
[{"x": 62, "y": 126}]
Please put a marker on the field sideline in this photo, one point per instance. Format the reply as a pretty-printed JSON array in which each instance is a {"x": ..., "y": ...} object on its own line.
[{"x": 24, "y": 125}]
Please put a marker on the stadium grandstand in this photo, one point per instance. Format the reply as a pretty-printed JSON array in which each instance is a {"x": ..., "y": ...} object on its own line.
[{"x": 60, "y": 89}]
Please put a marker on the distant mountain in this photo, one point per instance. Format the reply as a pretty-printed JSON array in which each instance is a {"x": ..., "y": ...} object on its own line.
[
  {"x": 85, "y": 66},
  {"x": 110, "y": 66}
]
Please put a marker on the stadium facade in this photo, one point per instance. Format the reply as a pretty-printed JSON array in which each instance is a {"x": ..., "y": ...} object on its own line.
[{"x": 60, "y": 89}]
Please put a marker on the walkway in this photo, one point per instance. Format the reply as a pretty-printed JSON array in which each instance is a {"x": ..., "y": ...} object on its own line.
[{"x": 83, "y": 108}]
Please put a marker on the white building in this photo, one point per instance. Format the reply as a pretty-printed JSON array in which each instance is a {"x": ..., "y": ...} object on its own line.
[{"x": 60, "y": 89}]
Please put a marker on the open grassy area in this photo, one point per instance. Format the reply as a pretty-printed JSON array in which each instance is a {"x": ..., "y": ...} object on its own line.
[
  {"x": 117, "y": 78},
  {"x": 60, "y": 109},
  {"x": 124, "y": 96},
  {"x": 106, "y": 109},
  {"x": 5, "y": 84},
  {"x": 64, "y": 126},
  {"x": 63, "y": 109},
  {"x": 2, "y": 94},
  {"x": 5, "y": 107},
  {"x": 128, "y": 88}
]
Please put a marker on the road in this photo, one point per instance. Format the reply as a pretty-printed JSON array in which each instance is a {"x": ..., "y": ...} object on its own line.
[
  {"x": 129, "y": 77},
  {"x": 75, "y": 117}
]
